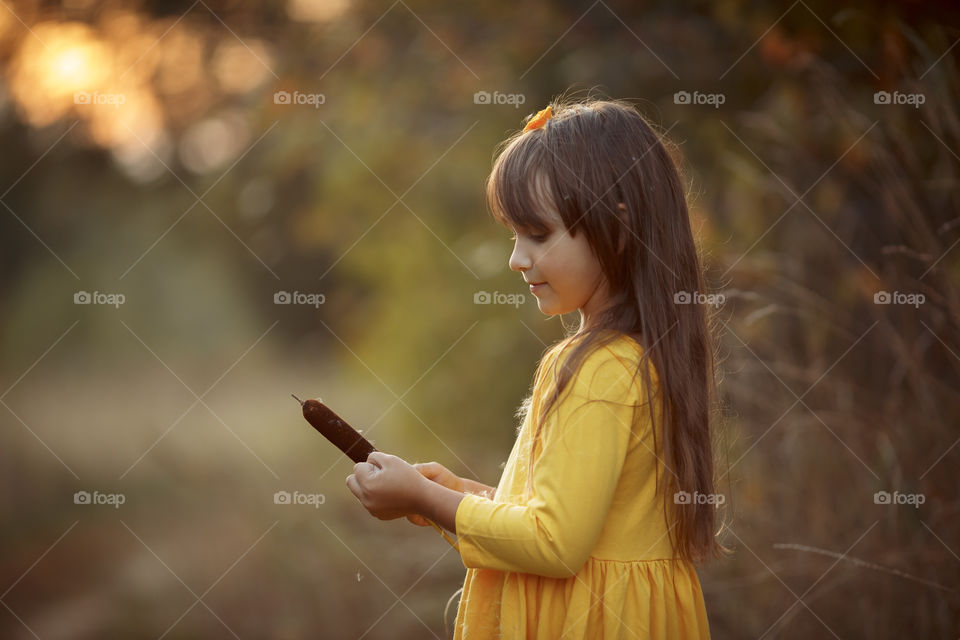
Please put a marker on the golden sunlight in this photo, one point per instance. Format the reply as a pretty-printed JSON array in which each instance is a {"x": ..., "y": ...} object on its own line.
[{"x": 51, "y": 68}]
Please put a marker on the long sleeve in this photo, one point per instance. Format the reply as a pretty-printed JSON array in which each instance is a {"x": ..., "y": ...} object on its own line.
[{"x": 585, "y": 441}]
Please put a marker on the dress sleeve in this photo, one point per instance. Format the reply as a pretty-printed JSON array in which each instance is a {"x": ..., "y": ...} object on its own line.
[{"x": 585, "y": 441}]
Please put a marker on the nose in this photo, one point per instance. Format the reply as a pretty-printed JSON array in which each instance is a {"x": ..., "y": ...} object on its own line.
[{"x": 519, "y": 260}]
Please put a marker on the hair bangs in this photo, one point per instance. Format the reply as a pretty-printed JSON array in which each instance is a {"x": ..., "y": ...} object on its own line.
[{"x": 518, "y": 191}]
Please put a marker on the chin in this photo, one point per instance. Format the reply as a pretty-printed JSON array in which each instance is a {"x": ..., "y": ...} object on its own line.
[{"x": 550, "y": 310}]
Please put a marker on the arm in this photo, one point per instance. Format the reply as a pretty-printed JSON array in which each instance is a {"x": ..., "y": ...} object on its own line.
[
  {"x": 430, "y": 501},
  {"x": 585, "y": 440},
  {"x": 438, "y": 503},
  {"x": 478, "y": 488}
]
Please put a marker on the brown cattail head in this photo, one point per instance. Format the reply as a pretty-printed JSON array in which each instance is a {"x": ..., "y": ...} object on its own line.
[{"x": 336, "y": 430}]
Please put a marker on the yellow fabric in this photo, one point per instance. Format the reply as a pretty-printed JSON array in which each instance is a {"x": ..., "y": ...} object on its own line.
[{"x": 588, "y": 555}]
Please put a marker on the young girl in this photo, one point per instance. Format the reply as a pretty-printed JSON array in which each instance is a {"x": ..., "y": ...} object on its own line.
[{"x": 607, "y": 499}]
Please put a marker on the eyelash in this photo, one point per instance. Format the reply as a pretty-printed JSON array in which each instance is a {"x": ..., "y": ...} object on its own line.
[{"x": 538, "y": 238}]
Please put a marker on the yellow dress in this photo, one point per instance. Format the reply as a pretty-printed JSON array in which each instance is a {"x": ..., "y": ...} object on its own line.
[{"x": 588, "y": 555}]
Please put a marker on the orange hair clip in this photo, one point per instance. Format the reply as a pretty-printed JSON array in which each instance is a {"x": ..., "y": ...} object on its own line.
[{"x": 540, "y": 119}]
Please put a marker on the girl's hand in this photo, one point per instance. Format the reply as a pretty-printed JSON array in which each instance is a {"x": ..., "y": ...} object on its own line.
[
  {"x": 441, "y": 475},
  {"x": 387, "y": 486}
]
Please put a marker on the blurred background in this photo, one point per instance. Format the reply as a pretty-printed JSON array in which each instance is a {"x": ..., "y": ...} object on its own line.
[{"x": 208, "y": 206}]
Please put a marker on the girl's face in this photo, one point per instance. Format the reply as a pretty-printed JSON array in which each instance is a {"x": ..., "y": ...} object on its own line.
[{"x": 563, "y": 268}]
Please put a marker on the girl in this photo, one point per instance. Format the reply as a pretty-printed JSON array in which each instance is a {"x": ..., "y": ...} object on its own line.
[{"x": 607, "y": 499}]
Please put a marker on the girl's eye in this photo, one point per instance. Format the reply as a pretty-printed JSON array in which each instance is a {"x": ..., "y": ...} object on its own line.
[{"x": 536, "y": 238}]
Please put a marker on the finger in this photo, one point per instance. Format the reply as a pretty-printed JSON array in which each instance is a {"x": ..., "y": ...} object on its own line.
[
  {"x": 352, "y": 485},
  {"x": 418, "y": 520},
  {"x": 364, "y": 469},
  {"x": 422, "y": 469},
  {"x": 375, "y": 459},
  {"x": 428, "y": 469}
]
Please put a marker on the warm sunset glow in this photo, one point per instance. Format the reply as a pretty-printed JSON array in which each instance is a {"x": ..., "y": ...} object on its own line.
[
  {"x": 71, "y": 64},
  {"x": 44, "y": 79},
  {"x": 69, "y": 70},
  {"x": 241, "y": 66},
  {"x": 316, "y": 10}
]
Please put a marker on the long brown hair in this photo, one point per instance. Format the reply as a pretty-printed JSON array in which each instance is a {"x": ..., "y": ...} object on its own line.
[{"x": 604, "y": 169}]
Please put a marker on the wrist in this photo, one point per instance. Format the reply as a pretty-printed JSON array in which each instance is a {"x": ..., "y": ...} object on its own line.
[
  {"x": 425, "y": 497},
  {"x": 439, "y": 504},
  {"x": 477, "y": 488}
]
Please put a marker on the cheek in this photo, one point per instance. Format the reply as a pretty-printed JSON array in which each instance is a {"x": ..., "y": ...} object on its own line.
[
  {"x": 586, "y": 266},
  {"x": 596, "y": 271}
]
